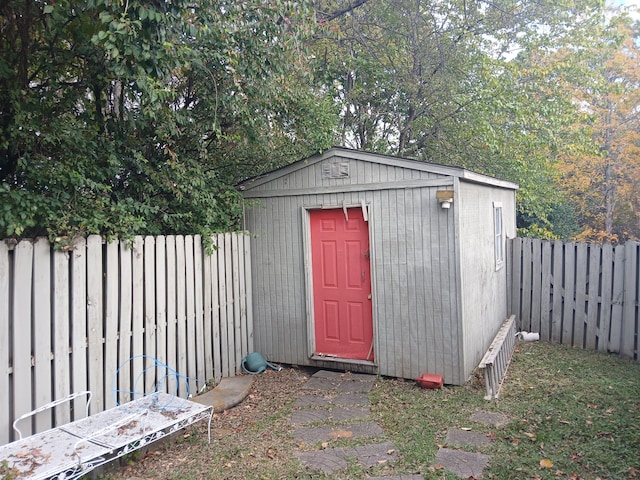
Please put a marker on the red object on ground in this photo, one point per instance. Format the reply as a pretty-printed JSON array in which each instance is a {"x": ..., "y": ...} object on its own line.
[{"x": 429, "y": 380}]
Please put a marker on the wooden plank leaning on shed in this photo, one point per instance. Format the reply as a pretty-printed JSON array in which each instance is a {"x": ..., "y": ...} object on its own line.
[{"x": 496, "y": 361}]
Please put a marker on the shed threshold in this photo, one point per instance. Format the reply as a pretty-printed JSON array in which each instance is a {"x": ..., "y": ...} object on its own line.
[{"x": 352, "y": 361}]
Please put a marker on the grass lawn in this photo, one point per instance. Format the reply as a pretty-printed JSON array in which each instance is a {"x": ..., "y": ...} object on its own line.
[{"x": 573, "y": 415}]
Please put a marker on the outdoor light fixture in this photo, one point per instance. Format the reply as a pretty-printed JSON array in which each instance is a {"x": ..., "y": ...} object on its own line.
[{"x": 445, "y": 197}]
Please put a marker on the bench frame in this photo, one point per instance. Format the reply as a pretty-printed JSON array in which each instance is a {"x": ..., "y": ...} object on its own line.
[{"x": 72, "y": 450}]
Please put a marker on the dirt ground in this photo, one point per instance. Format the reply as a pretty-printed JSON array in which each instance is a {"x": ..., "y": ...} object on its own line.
[{"x": 188, "y": 455}]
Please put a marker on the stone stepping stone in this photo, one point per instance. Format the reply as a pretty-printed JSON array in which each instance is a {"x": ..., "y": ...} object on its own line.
[
  {"x": 355, "y": 386},
  {"x": 345, "y": 382},
  {"x": 339, "y": 414},
  {"x": 313, "y": 401},
  {"x": 465, "y": 437},
  {"x": 334, "y": 459},
  {"x": 490, "y": 418},
  {"x": 327, "y": 374},
  {"x": 326, "y": 434},
  {"x": 318, "y": 383},
  {"x": 343, "y": 400},
  {"x": 351, "y": 399},
  {"x": 464, "y": 464}
]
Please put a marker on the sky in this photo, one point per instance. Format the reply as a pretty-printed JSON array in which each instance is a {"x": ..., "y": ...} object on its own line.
[{"x": 628, "y": 3}]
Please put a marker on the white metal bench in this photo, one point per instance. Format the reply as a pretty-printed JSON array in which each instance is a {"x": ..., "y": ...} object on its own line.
[{"x": 74, "y": 449}]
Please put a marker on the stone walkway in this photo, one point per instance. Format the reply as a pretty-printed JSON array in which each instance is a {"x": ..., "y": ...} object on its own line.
[{"x": 334, "y": 405}]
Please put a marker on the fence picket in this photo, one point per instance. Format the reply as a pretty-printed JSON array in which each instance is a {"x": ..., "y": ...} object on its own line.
[
  {"x": 207, "y": 318},
  {"x": 137, "y": 289},
  {"x": 605, "y": 297},
  {"x": 170, "y": 249},
  {"x": 191, "y": 312},
  {"x": 112, "y": 300},
  {"x": 79, "y": 377},
  {"x": 42, "y": 320},
  {"x": 237, "y": 318},
  {"x": 5, "y": 413},
  {"x": 22, "y": 331},
  {"x": 161, "y": 300},
  {"x": 181, "y": 309},
  {"x": 593, "y": 296},
  {"x": 95, "y": 319},
  {"x": 229, "y": 303},
  {"x": 526, "y": 285},
  {"x": 199, "y": 372},
  {"x": 630, "y": 309},
  {"x": 216, "y": 311},
  {"x": 569, "y": 294},
  {"x": 222, "y": 288},
  {"x": 516, "y": 280},
  {"x": 582, "y": 260},
  {"x": 121, "y": 382},
  {"x": 617, "y": 313},
  {"x": 545, "y": 291},
  {"x": 61, "y": 331},
  {"x": 245, "y": 296},
  {"x": 557, "y": 278},
  {"x": 536, "y": 287},
  {"x": 150, "y": 347}
]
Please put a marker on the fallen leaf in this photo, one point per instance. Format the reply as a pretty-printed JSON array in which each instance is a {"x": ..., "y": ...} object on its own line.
[
  {"x": 546, "y": 463},
  {"x": 531, "y": 436},
  {"x": 633, "y": 472},
  {"x": 515, "y": 442},
  {"x": 566, "y": 422},
  {"x": 391, "y": 451},
  {"x": 325, "y": 445}
]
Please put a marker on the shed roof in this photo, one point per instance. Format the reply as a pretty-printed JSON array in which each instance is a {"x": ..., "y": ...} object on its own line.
[{"x": 346, "y": 153}]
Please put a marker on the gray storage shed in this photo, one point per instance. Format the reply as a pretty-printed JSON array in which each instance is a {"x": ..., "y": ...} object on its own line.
[{"x": 378, "y": 264}]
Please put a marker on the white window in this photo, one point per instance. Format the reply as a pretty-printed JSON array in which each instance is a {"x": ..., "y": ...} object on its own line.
[{"x": 498, "y": 235}]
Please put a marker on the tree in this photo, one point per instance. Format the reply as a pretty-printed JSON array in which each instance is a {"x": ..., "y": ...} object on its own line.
[
  {"x": 461, "y": 82},
  {"x": 604, "y": 181},
  {"x": 138, "y": 117}
]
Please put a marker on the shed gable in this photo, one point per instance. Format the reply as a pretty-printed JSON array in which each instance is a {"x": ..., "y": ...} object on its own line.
[{"x": 340, "y": 174}]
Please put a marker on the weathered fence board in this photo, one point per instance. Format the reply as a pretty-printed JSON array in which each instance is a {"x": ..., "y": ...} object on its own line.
[
  {"x": 42, "y": 341},
  {"x": 71, "y": 318},
  {"x": 61, "y": 330},
  {"x": 579, "y": 294},
  {"x": 5, "y": 413}
]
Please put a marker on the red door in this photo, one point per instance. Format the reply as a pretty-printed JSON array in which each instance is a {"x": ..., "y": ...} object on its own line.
[{"x": 341, "y": 284}]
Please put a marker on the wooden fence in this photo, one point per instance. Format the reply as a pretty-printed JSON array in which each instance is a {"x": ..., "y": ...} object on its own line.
[
  {"x": 579, "y": 294},
  {"x": 69, "y": 319}
]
